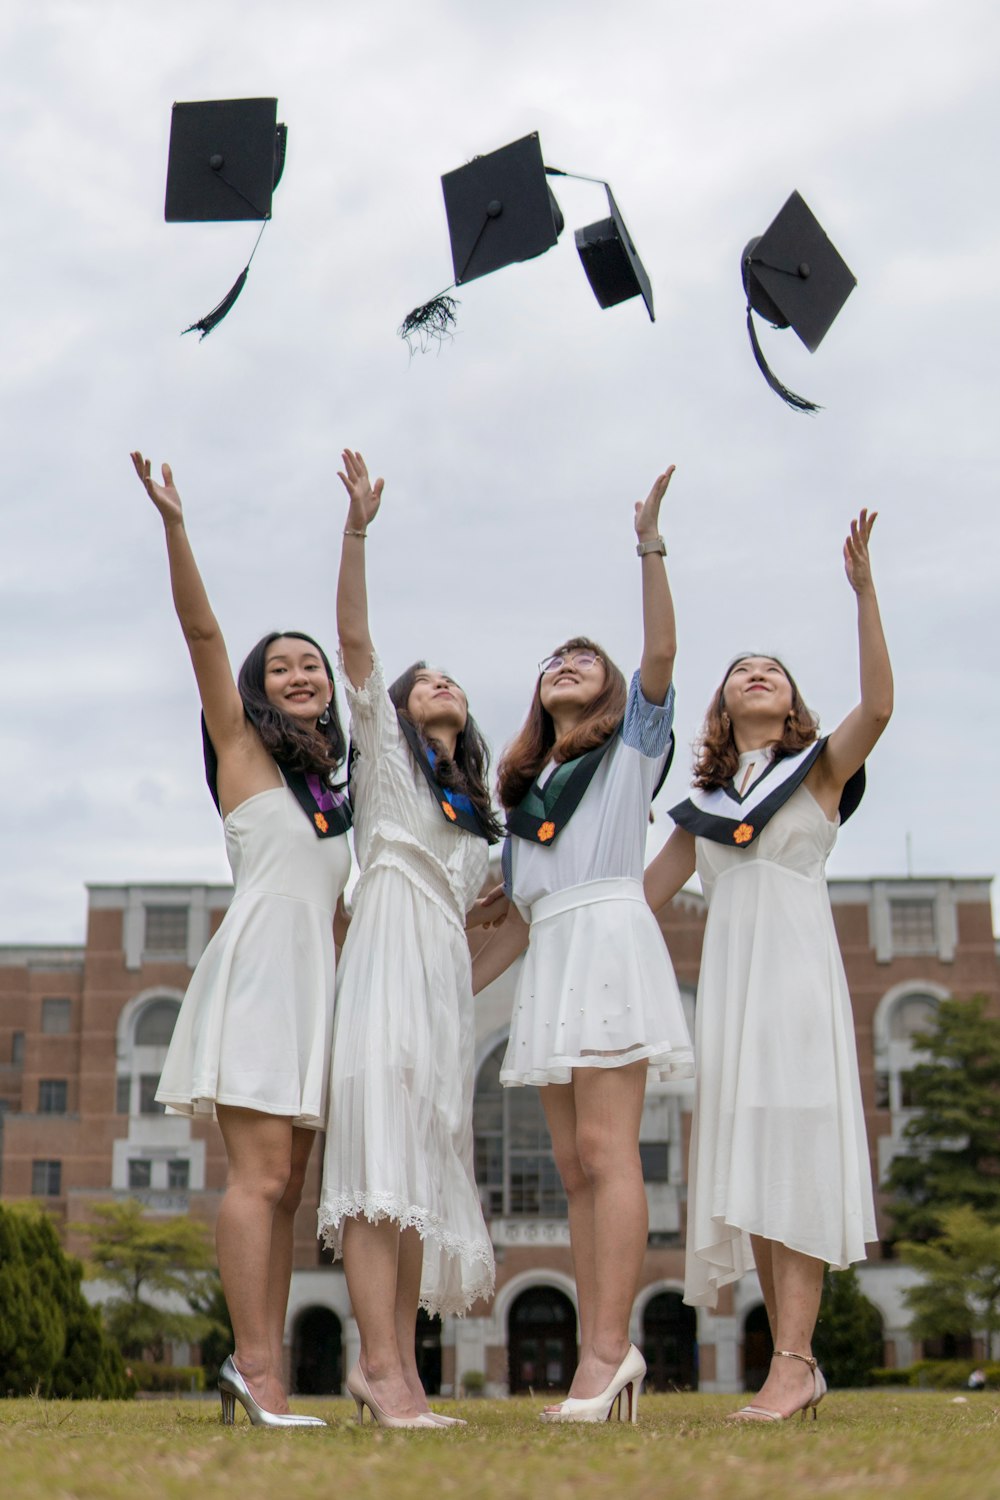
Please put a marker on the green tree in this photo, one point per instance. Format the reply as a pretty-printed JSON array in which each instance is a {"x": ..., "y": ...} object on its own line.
[
  {"x": 848, "y": 1337},
  {"x": 955, "y": 1135},
  {"x": 960, "y": 1290},
  {"x": 162, "y": 1271}
]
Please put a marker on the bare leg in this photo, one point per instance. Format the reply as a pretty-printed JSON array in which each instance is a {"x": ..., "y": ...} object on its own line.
[
  {"x": 259, "y": 1152},
  {"x": 371, "y": 1260},
  {"x": 798, "y": 1286},
  {"x": 559, "y": 1105},
  {"x": 765, "y": 1275},
  {"x": 408, "y": 1272},
  {"x": 283, "y": 1247}
]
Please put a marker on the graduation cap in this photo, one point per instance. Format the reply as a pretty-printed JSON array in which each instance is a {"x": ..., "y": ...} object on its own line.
[
  {"x": 500, "y": 210},
  {"x": 795, "y": 278},
  {"x": 225, "y": 160}
]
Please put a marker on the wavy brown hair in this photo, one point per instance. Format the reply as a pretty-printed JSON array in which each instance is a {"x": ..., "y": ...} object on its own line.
[
  {"x": 536, "y": 742},
  {"x": 716, "y": 756},
  {"x": 468, "y": 770}
]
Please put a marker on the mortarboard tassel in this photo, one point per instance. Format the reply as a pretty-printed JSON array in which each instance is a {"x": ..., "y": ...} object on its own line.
[
  {"x": 208, "y": 322},
  {"x": 797, "y": 403},
  {"x": 434, "y": 320}
]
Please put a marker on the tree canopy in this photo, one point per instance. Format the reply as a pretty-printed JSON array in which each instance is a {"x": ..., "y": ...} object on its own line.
[{"x": 960, "y": 1290}]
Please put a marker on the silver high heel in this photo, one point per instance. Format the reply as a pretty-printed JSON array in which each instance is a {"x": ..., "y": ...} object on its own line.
[
  {"x": 623, "y": 1385},
  {"x": 764, "y": 1413},
  {"x": 360, "y": 1390},
  {"x": 233, "y": 1388}
]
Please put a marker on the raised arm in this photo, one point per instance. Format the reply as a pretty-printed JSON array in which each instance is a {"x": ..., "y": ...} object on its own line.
[
  {"x": 220, "y": 699},
  {"x": 352, "y": 588},
  {"x": 659, "y": 647},
  {"x": 852, "y": 741},
  {"x": 672, "y": 867}
]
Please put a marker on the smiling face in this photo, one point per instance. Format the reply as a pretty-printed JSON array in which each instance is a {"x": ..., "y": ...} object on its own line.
[
  {"x": 295, "y": 679},
  {"x": 757, "y": 687},
  {"x": 572, "y": 678},
  {"x": 436, "y": 698}
]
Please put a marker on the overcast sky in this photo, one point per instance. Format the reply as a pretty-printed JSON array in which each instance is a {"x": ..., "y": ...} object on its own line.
[{"x": 513, "y": 457}]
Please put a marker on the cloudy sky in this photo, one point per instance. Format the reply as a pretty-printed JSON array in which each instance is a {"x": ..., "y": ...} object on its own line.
[{"x": 513, "y": 457}]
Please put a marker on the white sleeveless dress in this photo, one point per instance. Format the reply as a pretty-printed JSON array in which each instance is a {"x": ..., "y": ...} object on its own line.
[
  {"x": 778, "y": 1145},
  {"x": 255, "y": 1027}
]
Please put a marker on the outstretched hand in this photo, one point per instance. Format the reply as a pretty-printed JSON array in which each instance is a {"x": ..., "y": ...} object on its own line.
[
  {"x": 164, "y": 496},
  {"x": 365, "y": 497},
  {"x": 647, "y": 512},
  {"x": 857, "y": 563}
]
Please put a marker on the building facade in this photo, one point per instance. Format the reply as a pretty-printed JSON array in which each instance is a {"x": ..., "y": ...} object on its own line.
[{"x": 83, "y": 1036}]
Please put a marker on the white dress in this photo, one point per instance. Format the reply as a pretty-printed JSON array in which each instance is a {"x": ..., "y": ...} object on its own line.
[
  {"x": 778, "y": 1144},
  {"x": 399, "y": 1141},
  {"x": 254, "y": 1029},
  {"x": 597, "y": 988}
]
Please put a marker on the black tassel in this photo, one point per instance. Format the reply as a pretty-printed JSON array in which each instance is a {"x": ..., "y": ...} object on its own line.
[
  {"x": 797, "y": 403},
  {"x": 432, "y": 322},
  {"x": 208, "y": 322}
]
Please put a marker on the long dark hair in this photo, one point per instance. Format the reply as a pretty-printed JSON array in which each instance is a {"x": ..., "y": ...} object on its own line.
[
  {"x": 468, "y": 770},
  {"x": 536, "y": 743},
  {"x": 716, "y": 756},
  {"x": 318, "y": 751}
]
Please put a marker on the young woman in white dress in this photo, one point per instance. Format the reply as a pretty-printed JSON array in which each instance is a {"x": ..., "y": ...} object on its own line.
[
  {"x": 779, "y": 1161},
  {"x": 597, "y": 1009},
  {"x": 252, "y": 1041},
  {"x": 399, "y": 1198}
]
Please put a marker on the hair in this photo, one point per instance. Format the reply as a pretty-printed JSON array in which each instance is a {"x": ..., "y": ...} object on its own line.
[
  {"x": 467, "y": 771},
  {"x": 320, "y": 751},
  {"x": 536, "y": 742},
  {"x": 716, "y": 756}
]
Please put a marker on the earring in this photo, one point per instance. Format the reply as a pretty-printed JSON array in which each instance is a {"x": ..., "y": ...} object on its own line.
[
  {"x": 725, "y": 719},
  {"x": 324, "y": 717}
]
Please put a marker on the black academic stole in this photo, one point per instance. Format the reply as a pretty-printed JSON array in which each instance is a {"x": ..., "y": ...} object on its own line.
[
  {"x": 544, "y": 810},
  {"x": 459, "y": 817},
  {"x": 727, "y": 818},
  {"x": 329, "y": 812}
]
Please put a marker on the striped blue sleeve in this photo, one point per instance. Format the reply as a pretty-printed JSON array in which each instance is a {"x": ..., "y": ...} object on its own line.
[{"x": 647, "y": 725}]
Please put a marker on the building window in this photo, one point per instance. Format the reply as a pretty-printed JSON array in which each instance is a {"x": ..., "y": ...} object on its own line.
[
  {"x": 52, "y": 1094},
  {"x": 17, "y": 1050},
  {"x": 140, "y": 1174},
  {"x": 46, "y": 1179},
  {"x": 55, "y": 1017},
  {"x": 166, "y": 929},
  {"x": 178, "y": 1175},
  {"x": 912, "y": 925},
  {"x": 515, "y": 1168},
  {"x": 123, "y": 1094},
  {"x": 155, "y": 1025},
  {"x": 655, "y": 1159},
  {"x": 911, "y": 1017},
  {"x": 147, "y": 1095}
]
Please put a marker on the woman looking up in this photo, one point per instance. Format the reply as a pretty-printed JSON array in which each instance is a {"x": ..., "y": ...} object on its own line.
[{"x": 252, "y": 1041}]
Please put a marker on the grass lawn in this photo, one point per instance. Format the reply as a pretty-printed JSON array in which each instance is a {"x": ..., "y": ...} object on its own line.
[{"x": 918, "y": 1444}]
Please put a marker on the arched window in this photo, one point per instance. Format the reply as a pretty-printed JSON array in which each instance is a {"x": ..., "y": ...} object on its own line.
[
  {"x": 515, "y": 1168},
  {"x": 155, "y": 1023},
  {"x": 669, "y": 1343},
  {"x": 909, "y": 1015},
  {"x": 145, "y": 1036},
  {"x": 541, "y": 1340}
]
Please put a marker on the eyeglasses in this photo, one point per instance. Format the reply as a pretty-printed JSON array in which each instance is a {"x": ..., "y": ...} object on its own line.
[{"x": 581, "y": 659}]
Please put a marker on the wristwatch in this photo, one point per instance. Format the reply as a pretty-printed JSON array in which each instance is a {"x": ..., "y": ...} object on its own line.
[{"x": 657, "y": 544}]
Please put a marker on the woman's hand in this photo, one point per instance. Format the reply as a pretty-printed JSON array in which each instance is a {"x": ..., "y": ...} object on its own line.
[
  {"x": 647, "y": 512},
  {"x": 164, "y": 496},
  {"x": 365, "y": 497},
  {"x": 489, "y": 910},
  {"x": 857, "y": 563}
]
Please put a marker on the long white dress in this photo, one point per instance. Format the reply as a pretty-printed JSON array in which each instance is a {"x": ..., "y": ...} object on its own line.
[
  {"x": 778, "y": 1145},
  {"x": 399, "y": 1142},
  {"x": 255, "y": 1026}
]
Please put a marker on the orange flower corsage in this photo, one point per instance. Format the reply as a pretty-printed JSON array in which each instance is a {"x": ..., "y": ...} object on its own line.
[
  {"x": 743, "y": 834},
  {"x": 447, "y": 809},
  {"x": 547, "y": 831},
  {"x": 321, "y": 822}
]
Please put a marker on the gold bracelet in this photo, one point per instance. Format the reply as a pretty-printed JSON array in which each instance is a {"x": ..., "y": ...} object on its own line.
[{"x": 349, "y": 532}]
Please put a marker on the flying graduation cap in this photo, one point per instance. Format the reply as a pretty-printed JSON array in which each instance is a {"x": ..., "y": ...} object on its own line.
[
  {"x": 795, "y": 278},
  {"x": 225, "y": 160},
  {"x": 501, "y": 209}
]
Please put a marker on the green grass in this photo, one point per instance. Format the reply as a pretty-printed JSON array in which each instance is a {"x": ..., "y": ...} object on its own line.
[{"x": 917, "y": 1444}]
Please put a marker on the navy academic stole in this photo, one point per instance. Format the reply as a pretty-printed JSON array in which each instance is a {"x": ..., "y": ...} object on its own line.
[
  {"x": 455, "y": 812},
  {"x": 544, "y": 810},
  {"x": 727, "y": 818}
]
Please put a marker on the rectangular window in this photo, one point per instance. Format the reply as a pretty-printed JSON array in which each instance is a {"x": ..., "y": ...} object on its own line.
[
  {"x": 140, "y": 1174},
  {"x": 881, "y": 1091},
  {"x": 46, "y": 1179},
  {"x": 913, "y": 926},
  {"x": 166, "y": 929},
  {"x": 178, "y": 1175},
  {"x": 147, "y": 1095},
  {"x": 655, "y": 1159},
  {"x": 123, "y": 1094},
  {"x": 56, "y": 1017},
  {"x": 52, "y": 1096},
  {"x": 17, "y": 1049}
]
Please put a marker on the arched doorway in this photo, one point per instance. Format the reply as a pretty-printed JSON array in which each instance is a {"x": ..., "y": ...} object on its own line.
[
  {"x": 428, "y": 1347},
  {"x": 317, "y": 1353},
  {"x": 541, "y": 1341},
  {"x": 670, "y": 1343},
  {"x": 758, "y": 1347}
]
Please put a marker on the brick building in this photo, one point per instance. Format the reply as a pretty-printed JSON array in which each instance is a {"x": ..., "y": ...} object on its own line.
[{"x": 83, "y": 1035}]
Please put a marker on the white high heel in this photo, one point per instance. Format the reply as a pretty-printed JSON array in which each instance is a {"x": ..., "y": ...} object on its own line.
[
  {"x": 623, "y": 1386},
  {"x": 233, "y": 1388},
  {"x": 764, "y": 1413},
  {"x": 361, "y": 1391}
]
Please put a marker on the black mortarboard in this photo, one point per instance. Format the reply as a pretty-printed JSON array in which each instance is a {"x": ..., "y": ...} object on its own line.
[
  {"x": 225, "y": 160},
  {"x": 609, "y": 257},
  {"x": 795, "y": 278}
]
